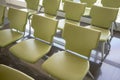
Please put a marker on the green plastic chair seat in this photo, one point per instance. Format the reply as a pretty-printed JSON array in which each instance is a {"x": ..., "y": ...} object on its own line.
[
  {"x": 63, "y": 21},
  {"x": 66, "y": 66},
  {"x": 8, "y": 73},
  {"x": 8, "y": 36},
  {"x": 30, "y": 50},
  {"x": 105, "y": 34}
]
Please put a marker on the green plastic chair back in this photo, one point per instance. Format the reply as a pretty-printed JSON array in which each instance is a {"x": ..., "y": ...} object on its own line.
[
  {"x": 79, "y": 39},
  {"x": 66, "y": 0},
  {"x": 51, "y": 6},
  {"x": 32, "y": 4},
  {"x": 45, "y": 29},
  {"x": 2, "y": 13},
  {"x": 103, "y": 16},
  {"x": 89, "y": 2},
  {"x": 17, "y": 19},
  {"x": 8, "y": 73},
  {"x": 73, "y": 10},
  {"x": 111, "y": 3}
]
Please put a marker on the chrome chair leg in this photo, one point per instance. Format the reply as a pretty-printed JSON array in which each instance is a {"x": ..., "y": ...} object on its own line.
[
  {"x": 115, "y": 25},
  {"x": 29, "y": 27},
  {"x": 102, "y": 51},
  {"x": 105, "y": 50},
  {"x": 91, "y": 75}
]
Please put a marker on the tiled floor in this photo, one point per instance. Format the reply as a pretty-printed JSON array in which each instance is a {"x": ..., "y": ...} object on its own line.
[{"x": 110, "y": 69}]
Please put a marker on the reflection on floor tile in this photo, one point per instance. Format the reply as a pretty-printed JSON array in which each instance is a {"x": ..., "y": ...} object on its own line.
[
  {"x": 109, "y": 72},
  {"x": 115, "y": 50}
]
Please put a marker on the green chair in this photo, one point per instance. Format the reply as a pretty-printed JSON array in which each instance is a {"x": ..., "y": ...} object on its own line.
[
  {"x": 50, "y": 8},
  {"x": 31, "y": 50},
  {"x": 68, "y": 64},
  {"x": 112, "y": 4},
  {"x": 66, "y": 0},
  {"x": 17, "y": 22},
  {"x": 89, "y": 3},
  {"x": 101, "y": 19},
  {"x": 32, "y": 6},
  {"x": 2, "y": 15},
  {"x": 73, "y": 13},
  {"x": 62, "y": 4},
  {"x": 8, "y": 73}
]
